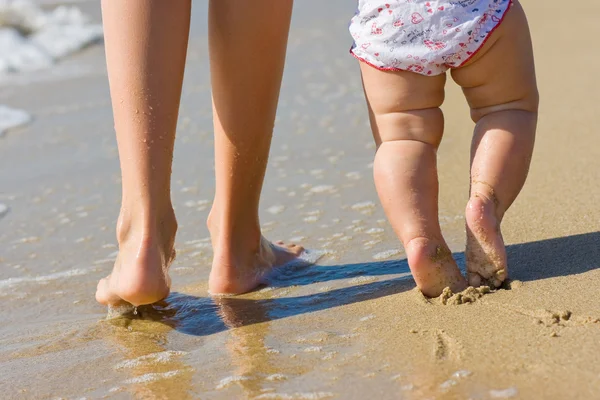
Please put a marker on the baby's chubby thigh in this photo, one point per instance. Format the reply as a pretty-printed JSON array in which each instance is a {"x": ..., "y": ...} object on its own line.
[
  {"x": 501, "y": 76},
  {"x": 404, "y": 105}
]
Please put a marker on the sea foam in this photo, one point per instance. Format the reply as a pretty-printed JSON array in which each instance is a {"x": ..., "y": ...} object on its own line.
[
  {"x": 12, "y": 117},
  {"x": 33, "y": 39}
]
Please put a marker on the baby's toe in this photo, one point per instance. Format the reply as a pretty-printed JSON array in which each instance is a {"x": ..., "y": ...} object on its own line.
[
  {"x": 474, "y": 279},
  {"x": 496, "y": 282}
]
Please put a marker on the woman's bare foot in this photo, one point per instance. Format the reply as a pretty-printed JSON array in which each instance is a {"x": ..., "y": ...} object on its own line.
[
  {"x": 242, "y": 272},
  {"x": 244, "y": 108},
  {"x": 433, "y": 267},
  {"x": 485, "y": 253},
  {"x": 140, "y": 274},
  {"x": 239, "y": 266}
]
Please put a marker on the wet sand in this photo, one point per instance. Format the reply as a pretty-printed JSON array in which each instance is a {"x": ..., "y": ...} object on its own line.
[{"x": 351, "y": 327}]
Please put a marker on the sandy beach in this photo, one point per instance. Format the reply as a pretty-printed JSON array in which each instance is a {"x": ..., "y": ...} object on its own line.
[{"x": 351, "y": 327}]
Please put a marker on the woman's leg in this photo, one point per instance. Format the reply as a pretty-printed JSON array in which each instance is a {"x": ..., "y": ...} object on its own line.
[
  {"x": 247, "y": 52},
  {"x": 146, "y": 43}
]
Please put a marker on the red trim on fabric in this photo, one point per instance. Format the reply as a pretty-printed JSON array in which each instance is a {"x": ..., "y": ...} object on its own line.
[
  {"x": 488, "y": 36},
  {"x": 389, "y": 69}
]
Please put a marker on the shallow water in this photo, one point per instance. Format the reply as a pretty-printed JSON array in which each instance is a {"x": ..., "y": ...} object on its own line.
[{"x": 350, "y": 327}]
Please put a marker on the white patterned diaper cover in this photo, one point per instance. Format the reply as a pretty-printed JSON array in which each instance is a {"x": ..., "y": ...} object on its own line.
[{"x": 423, "y": 36}]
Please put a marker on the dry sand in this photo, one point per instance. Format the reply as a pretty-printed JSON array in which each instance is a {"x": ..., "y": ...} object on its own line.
[{"x": 352, "y": 327}]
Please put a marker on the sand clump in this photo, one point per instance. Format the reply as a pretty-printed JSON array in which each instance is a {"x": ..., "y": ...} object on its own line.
[
  {"x": 467, "y": 296},
  {"x": 472, "y": 294}
]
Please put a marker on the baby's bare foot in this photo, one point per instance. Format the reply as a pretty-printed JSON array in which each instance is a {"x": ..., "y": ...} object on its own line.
[
  {"x": 485, "y": 253},
  {"x": 433, "y": 267},
  {"x": 235, "y": 271},
  {"x": 140, "y": 274}
]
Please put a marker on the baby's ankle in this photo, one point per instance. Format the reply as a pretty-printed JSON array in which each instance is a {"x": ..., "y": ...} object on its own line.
[
  {"x": 483, "y": 208},
  {"x": 484, "y": 196}
]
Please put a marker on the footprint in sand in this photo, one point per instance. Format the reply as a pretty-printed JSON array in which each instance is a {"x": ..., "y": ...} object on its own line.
[{"x": 445, "y": 347}]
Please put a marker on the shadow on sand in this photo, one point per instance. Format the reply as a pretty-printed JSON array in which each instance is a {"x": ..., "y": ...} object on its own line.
[{"x": 200, "y": 316}]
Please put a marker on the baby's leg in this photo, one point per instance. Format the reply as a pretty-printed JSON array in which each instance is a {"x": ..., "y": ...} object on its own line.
[
  {"x": 407, "y": 125},
  {"x": 501, "y": 89}
]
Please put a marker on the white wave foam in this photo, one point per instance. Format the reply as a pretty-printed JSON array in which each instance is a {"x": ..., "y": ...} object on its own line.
[
  {"x": 448, "y": 384},
  {"x": 504, "y": 394},
  {"x": 11, "y": 117},
  {"x": 225, "y": 382},
  {"x": 323, "y": 189},
  {"x": 463, "y": 373},
  {"x": 384, "y": 255},
  {"x": 10, "y": 282},
  {"x": 163, "y": 357},
  {"x": 3, "y": 207},
  {"x": 296, "y": 396},
  {"x": 276, "y": 377},
  {"x": 278, "y": 209},
  {"x": 307, "y": 257},
  {"x": 153, "y": 377},
  {"x": 365, "y": 205},
  {"x": 33, "y": 39},
  {"x": 313, "y": 349}
]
